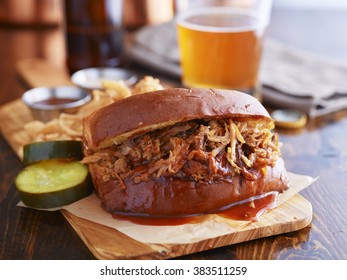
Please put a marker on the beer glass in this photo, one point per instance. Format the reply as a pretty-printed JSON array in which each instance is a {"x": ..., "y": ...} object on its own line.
[{"x": 220, "y": 43}]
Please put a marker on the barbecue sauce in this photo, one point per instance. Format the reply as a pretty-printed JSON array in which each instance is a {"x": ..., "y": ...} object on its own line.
[
  {"x": 56, "y": 101},
  {"x": 247, "y": 210},
  {"x": 161, "y": 221},
  {"x": 251, "y": 210}
]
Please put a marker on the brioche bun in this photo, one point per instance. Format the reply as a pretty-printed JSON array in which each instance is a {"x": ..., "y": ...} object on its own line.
[{"x": 110, "y": 131}]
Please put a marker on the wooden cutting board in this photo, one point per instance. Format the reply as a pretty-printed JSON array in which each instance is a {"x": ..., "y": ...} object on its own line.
[{"x": 108, "y": 243}]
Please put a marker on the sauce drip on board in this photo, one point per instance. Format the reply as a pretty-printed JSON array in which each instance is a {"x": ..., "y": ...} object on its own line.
[
  {"x": 161, "y": 221},
  {"x": 248, "y": 210},
  {"x": 251, "y": 209}
]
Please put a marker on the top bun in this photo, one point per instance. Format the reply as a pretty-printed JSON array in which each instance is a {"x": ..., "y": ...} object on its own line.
[{"x": 140, "y": 113}]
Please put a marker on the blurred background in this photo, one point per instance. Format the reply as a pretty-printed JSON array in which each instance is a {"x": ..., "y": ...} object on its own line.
[
  {"x": 326, "y": 17},
  {"x": 310, "y": 4},
  {"x": 37, "y": 12}
]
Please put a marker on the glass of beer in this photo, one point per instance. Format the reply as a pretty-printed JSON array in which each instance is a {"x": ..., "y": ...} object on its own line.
[{"x": 221, "y": 46}]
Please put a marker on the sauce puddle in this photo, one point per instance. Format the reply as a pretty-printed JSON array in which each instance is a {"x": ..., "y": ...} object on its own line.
[
  {"x": 251, "y": 209},
  {"x": 161, "y": 221},
  {"x": 247, "y": 210}
]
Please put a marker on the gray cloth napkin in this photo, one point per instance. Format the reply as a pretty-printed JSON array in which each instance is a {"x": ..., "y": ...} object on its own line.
[{"x": 291, "y": 78}]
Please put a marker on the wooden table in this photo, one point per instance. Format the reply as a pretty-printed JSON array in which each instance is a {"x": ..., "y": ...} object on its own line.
[{"x": 318, "y": 150}]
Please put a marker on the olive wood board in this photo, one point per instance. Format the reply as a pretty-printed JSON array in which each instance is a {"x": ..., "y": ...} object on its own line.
[{"x": 107, "y": 243}]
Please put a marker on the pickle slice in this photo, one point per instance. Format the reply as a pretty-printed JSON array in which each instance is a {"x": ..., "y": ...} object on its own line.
[
  {"x": 45, "y": 150},
  {"x": 53, "y": 183}
]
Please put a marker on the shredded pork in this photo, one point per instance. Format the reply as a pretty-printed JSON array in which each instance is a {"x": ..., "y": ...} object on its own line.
[{"x": 200, "y": 150}]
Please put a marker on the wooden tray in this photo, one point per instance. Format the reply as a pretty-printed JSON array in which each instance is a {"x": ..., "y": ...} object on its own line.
[{"x": 108, "y": 243}]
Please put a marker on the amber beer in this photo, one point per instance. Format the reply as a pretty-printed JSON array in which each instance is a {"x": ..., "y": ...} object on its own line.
[{"x": 220, "y": 48}]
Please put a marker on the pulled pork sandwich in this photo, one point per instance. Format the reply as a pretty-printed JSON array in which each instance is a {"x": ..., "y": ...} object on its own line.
[{"x": 179, "y": 151}]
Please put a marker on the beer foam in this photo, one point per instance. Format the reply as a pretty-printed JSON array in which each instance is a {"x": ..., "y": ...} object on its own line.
[{"x": 221, "y": 19}]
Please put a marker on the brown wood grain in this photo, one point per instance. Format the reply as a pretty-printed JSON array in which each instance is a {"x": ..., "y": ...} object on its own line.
[{"x": 38, "y": 73}]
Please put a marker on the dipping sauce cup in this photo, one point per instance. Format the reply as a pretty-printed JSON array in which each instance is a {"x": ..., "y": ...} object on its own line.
[
  {"x": 221, "y": 46},
  {"x": 92, "y": 78},
  {"x": 46, "y": 103}
]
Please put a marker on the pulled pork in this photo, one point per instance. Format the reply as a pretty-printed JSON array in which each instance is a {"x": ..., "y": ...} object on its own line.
[{"x": 198, "y": 150}]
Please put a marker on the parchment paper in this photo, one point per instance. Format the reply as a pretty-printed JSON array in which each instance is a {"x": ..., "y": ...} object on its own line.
[{"x": 89, "y": 208}]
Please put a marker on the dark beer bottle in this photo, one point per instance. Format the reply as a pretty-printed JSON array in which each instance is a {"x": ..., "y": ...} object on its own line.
[{"x": 93, "y": 33}]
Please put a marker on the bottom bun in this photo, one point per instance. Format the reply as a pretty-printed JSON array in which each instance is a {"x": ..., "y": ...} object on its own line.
[{"x": 175, "y": 197}]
